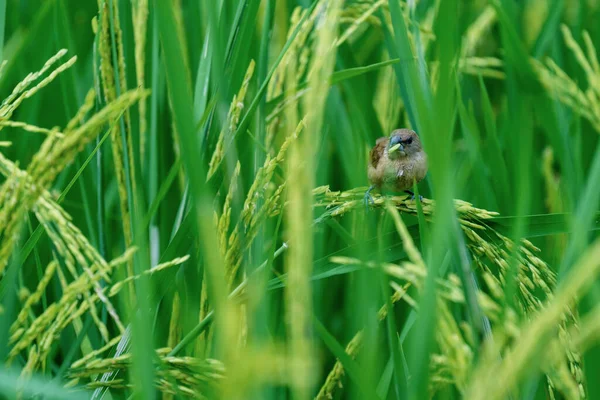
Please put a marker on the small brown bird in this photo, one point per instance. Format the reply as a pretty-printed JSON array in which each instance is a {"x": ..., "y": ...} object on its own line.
[{"x": 396, "y": 162}]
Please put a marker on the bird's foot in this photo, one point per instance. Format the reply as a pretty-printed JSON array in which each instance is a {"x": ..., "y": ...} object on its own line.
[
  {"x": 368, "y": 199},
  {"x": 413, "y": 195}
]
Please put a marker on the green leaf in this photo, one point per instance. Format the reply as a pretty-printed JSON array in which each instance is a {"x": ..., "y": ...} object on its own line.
[{"x": 351, "y": 368}]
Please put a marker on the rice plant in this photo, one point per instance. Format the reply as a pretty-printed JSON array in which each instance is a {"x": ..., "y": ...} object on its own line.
[{"x": 183, "y": 214}]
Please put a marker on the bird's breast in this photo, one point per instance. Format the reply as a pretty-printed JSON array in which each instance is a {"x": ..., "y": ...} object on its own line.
[{"x": 399, "y": 175}]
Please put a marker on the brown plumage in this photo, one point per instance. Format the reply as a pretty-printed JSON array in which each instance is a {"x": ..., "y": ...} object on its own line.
[{"x": 397, "y": 161}]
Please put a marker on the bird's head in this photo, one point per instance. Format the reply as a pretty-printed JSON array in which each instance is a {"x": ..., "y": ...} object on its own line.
[{"x": 403, "y": 142}]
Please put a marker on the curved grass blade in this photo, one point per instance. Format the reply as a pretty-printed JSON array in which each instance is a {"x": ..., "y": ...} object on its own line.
[{"x": 350, "y": 366}]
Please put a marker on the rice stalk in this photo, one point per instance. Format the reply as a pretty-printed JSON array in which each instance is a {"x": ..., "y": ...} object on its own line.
[
  {"x": 233, "y": 118},
  {"x": 140, "y": 24},
  {"x": 492, "y": 377},
  {"x": 454, "y": 365},
  {"x": 22, "y": 90},
  {"x": 54, "y": 155},
  {"x": 194, "y": 377},
  {"x": 477, "y": 31},
  {"x": 559, "y": 85},
  {"x": 112, "y": 74},
  {"x": 299, "y": 211}
]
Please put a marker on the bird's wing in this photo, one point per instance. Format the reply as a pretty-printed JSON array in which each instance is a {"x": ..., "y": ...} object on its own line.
[{"x": 377, "y": 151}]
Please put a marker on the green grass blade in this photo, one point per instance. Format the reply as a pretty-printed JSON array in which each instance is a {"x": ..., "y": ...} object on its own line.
[{"x": 351, "y": 368}]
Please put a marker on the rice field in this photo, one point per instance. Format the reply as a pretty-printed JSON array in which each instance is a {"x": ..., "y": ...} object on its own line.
[{"x": 183, "y": 209}]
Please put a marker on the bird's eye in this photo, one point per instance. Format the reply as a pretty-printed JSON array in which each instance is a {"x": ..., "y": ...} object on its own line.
[{"x": 408, "y": 141}]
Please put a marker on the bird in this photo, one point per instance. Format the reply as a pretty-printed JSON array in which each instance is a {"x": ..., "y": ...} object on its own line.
[{"x": 396, "y": 163}]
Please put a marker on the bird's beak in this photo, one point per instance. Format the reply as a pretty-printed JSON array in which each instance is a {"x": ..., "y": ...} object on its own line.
[{"x": 396, "y": 147}]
